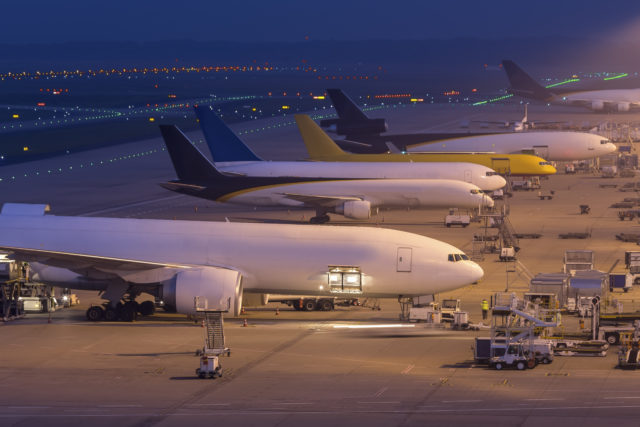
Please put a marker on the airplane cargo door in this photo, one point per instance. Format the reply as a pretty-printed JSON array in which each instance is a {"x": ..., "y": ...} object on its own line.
[
  {"x": 542, "y": 151},
  {"x": 404, "y": 259},
  {"x": 467, "y": 176},
  {"x": 501, "y": 165}
]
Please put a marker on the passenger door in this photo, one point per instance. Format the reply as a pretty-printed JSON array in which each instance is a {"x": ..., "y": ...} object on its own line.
[
  {"x": 404, "y": 259},
  {"x": 467, "y": 176}
]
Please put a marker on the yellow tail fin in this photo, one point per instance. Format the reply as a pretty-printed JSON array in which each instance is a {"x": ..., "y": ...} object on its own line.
[{"x": 319, "y": 144}]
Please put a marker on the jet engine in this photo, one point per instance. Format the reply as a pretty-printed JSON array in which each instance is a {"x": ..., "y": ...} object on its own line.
[
  {"x": 355, "y": 209},
  {"x": 623, "y": 106},
  {"x": 216, "y": 289},
  {"x": 597, "y": 105}
]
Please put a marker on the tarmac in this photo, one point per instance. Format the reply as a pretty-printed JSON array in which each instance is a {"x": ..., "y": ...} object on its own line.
[{"x": 298, "y": 368}]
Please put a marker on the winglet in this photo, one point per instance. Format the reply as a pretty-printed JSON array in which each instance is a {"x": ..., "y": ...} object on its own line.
[
  {"x": 190, "y": 164},
  {"x": 318, "y": 143},
  {"x": 225, "y": 146}
]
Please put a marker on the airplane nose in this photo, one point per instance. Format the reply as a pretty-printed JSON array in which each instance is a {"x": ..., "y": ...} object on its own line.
[
  {"x": 500, "y": 181},
  {"x": 475, "y": 272},
  {"x": 610, "y": 147},
  {"x": 487, "y": 201}
]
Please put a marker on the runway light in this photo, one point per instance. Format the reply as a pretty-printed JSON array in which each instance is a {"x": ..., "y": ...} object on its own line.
[
  {"x": 25, "y": 148},
  {"x": 16, "y": 116},
  {"x": 318, "y": 97},
  {"x": 285, "y": 107},
  {"x": 152, "y": 119}
]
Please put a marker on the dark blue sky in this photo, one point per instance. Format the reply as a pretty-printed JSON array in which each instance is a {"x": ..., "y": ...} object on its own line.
[{"x": 280, "y": 20}]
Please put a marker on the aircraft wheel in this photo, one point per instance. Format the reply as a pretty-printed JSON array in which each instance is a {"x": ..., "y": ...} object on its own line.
[
  {"x": 147, "y": 308},
  {"x": 326, "y": 305},
  {"x": 110, "y": 314},
  {"x": 95, "y": 313},
  {"x": 128, "y": 313}
]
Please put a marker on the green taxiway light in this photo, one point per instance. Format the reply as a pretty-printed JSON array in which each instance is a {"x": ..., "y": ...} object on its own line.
[
  {"x": 617, "y": 77},
  {"x": 500, "y": 98},
  {"x": 562, "y": 83}
]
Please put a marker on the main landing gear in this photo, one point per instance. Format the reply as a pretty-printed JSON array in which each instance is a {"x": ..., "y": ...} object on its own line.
[
  {"x": 122, "y": 305},
  {"x": 320, "y": 218}
]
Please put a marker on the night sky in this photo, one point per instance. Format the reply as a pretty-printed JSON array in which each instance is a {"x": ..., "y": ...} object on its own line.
[{"x": 278, "y": 20}]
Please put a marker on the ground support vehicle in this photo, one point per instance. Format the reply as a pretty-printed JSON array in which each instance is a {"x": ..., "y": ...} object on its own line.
[
  {"x": 214, "y": 345},
  {"x": 456, "y": 218}
]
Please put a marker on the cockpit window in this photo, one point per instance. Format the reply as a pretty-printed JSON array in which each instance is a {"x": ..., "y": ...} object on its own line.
[
  {"x": 492, "y": 173},
  {"x": 464, "y": 257},
  {"x": 475, "y": 191},
  {"x": 451, "y": 258},
  {"x": 458, "y": 257},
  {"x": 545, "y": 163},
  {"x": 604, "y": 141}
]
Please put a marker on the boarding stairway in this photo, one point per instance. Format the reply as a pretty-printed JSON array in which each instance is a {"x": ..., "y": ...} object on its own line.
[{"x": 214, "y": 332}]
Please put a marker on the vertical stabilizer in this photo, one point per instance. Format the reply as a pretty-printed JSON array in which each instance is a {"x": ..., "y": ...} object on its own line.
[
  {"x": 522, "y": 84},
  {"x": 190, "y": 164},
  {"x": 318, "y": 143},
  {"x": 225, "y": 146},
  {"x": 347, "y": 109}
]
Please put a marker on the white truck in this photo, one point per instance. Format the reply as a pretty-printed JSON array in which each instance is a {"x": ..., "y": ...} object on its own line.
[
  {"x": 456, "y": 218},
  {"x": 632, "y": 261}
]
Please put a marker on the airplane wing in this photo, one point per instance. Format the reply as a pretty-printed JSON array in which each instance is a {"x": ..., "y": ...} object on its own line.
[
  {"x": 97, "y": 266},
  {"x": 322, "y": 201}
]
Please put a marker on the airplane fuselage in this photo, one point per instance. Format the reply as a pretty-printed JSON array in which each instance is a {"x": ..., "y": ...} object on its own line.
[{"x": 271, "y": 258}]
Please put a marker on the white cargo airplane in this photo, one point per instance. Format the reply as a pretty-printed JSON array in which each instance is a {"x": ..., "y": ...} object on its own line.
[
  {"x": 521, "y": 84},
  {"x": 351, "y": 197},
  {"x": 365, "y": 135},
  {"x": 550, "y": 145},
  {"x": 221, "y": 261},
  {"x": 231, "y": 155}
]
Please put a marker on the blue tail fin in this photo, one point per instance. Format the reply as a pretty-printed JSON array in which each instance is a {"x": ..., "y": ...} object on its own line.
[{"x": 225, "y": 145}]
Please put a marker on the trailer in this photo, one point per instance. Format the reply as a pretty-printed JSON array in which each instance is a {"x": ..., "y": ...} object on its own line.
[
  {"x": 623, "y": 281},
  {"x": 310, "y": 303},
  {"x": 577, "y": 260},
  {"x": 551, "y": 283}
]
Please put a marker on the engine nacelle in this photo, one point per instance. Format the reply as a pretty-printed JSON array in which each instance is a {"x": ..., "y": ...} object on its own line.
[
  {"x": 255, "y": 300},
  {"x": 355, "y": 209},
  {"x": 623, "y": 106},
  {"x": 597, "y": 105},
  {"x": 219, "y": 288}
]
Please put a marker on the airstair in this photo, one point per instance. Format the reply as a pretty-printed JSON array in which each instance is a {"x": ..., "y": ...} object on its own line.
[{"x": 214, "y": 343}]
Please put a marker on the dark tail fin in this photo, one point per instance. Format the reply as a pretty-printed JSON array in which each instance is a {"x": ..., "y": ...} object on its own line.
[
  {"x": 522, "y": 84},
  {"x": 347, "y": 109},
  {"x": 190, "y": 164},
  {"x": 225, "y": 145}
]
